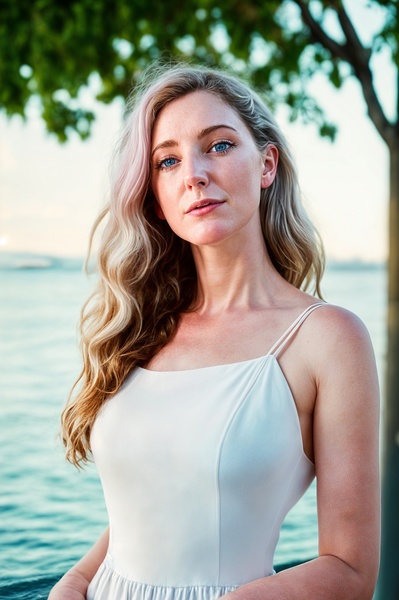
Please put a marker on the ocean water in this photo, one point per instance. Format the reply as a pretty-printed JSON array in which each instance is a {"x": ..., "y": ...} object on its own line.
[{"x": 50, "y": 512}]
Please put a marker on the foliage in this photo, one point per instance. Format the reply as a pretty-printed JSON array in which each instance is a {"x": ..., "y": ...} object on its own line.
[{"x": 51, "y": 50}]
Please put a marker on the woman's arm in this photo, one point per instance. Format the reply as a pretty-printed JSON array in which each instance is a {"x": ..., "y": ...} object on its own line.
[
  {"x": 346, "y": 425},
  {"x": 74, "y": 583}
]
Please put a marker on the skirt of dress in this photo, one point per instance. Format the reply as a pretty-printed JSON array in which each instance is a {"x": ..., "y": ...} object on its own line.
[{"x": 107, "y": 584}]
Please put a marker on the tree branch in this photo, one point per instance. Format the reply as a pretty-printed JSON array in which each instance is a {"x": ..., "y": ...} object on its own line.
[
  {"x": 318, "y": 34},
  {"x": 350, "y": 32},
  {"x": 354, "y": 53},
  {"x": 359, "y": 57}
]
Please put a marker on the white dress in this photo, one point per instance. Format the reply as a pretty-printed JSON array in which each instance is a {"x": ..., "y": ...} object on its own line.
[{"x": 199, "y": 469}]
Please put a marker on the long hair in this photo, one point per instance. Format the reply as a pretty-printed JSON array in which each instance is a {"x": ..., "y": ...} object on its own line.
[{"x": 147, "y": 276}]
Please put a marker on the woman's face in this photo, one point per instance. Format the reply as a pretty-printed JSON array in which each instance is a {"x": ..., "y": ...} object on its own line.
[{"x": 207, "y": 172}]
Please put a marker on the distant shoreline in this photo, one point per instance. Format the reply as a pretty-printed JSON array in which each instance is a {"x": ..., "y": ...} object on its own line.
[{"x": 31, "y": 261}]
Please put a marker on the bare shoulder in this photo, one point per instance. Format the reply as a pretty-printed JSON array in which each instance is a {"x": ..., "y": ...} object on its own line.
[
  {"x": 333, "y": 327},
  {"x": 336, "y": 345},
  {"x": 341, "y": 358}
]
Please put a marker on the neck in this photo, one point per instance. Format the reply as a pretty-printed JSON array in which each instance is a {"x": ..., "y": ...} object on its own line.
[{"x": 232, "y": 277}]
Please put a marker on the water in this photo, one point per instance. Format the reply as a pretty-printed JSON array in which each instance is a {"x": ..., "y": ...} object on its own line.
[{"x": 50, "y": 512}]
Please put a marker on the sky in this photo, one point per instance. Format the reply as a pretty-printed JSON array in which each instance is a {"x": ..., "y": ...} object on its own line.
[{"x": 50, "y": 193}]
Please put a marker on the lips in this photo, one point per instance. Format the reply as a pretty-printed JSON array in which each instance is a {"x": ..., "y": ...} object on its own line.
[{"x": 199, "y": 204}]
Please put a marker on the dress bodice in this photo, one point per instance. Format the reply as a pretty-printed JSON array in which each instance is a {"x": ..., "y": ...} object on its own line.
[{"x": 199, "y": 469}]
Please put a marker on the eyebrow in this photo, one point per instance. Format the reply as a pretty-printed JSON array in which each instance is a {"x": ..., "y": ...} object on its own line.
[{"x": 202, "y": 134}]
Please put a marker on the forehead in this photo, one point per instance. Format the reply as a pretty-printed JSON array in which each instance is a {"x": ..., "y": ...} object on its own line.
[{"x": 194, "y": 112}]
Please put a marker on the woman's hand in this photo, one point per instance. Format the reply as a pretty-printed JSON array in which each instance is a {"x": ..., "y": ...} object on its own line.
[{"x": 74, "y": 584}]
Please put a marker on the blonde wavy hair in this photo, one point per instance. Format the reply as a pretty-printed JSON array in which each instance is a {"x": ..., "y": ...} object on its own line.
[{"x": 147, "y": 276}]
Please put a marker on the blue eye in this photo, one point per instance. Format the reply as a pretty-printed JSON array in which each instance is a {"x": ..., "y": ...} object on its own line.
[
  {"x": 222, "y": 146},
  {"x": 167, "y": 163}
]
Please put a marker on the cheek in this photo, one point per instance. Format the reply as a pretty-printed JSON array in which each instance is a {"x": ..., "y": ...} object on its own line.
[
  {"x": 159, "y": 212},
  {"x": 155, "y": 193},
  {"x": 248, "y": 168},
  {"x": 246, "y": 180}
]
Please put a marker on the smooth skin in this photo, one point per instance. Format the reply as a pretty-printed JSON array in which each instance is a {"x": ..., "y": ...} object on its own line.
[{"x": 207, "y": 177}]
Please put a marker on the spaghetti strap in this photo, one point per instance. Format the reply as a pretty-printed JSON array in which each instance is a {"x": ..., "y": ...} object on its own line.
[{"x": 293, "y": 328}]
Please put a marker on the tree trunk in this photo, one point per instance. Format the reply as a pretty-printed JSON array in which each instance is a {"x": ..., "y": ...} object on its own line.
[{"x": 388, "y": 583}]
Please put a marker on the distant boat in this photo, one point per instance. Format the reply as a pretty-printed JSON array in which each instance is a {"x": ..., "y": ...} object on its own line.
[
  {"x": 27, "y": 261},
  {"x": 33, "y": 262}
]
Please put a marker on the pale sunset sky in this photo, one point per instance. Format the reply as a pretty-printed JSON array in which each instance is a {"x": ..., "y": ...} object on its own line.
[{"x": 51, "y": 193}]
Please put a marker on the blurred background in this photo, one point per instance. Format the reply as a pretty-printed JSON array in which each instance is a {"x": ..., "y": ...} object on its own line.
[{"x": 330, "y": 72}]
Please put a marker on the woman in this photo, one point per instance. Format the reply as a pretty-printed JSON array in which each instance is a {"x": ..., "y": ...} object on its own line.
[{"x": 214, "y": 388}]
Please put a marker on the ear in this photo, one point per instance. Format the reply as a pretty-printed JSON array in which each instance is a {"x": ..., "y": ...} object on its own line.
[
  {"x": 159, "y": 211},
  {"x": 270, "y": 162}
]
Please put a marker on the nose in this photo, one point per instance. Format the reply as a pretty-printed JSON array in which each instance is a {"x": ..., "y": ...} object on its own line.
[{"x": 195, "y": 175}]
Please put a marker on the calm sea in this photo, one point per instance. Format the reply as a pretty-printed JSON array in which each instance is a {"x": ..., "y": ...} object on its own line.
[{"x": 50, "y": 512}]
